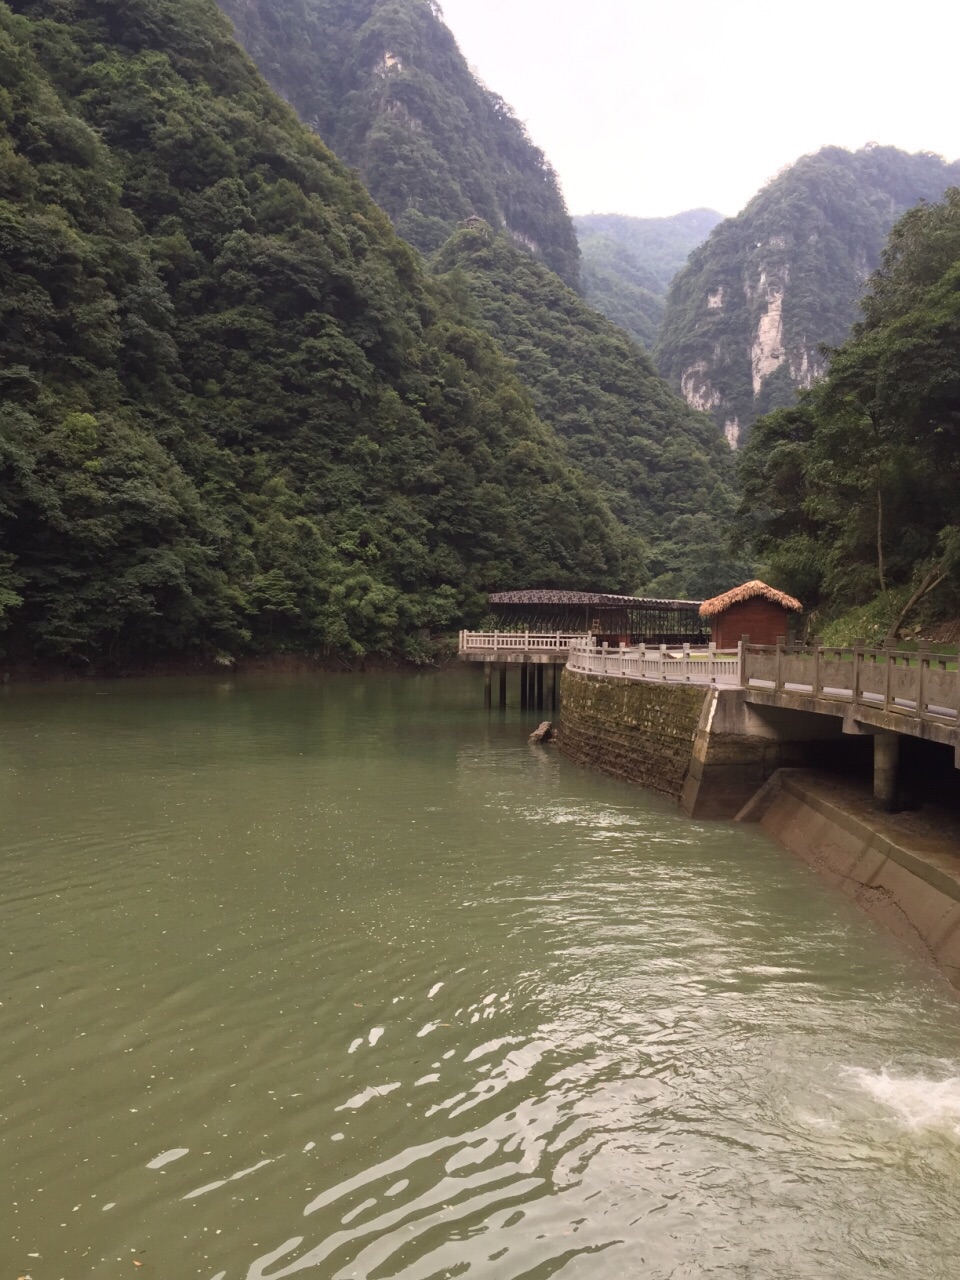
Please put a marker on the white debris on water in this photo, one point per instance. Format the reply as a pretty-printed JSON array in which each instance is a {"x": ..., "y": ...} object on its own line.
[{"x": 168, "y": 1157}]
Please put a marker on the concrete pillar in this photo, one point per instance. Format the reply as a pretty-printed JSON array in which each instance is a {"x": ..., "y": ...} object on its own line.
[
  {"x": 487, "y": 685},
  {"x": 886, "y": 770},
  {"x": 554, "y": 691},
  {"x": 523, "y": 686},
  {"x": 503, "y": 686},
  {"x": 539, "y": 686}
]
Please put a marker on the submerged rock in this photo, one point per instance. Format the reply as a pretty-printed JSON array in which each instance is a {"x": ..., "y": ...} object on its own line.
[{"x": 543, "y": 733}]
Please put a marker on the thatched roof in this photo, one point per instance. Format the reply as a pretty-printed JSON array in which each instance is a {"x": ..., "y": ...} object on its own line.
[
  {"x": 749, "y": 591},
  {"x": 588, "y": 599}
]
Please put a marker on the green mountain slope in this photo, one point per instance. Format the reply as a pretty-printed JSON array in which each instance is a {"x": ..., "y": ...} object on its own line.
[
  {"x": 357, "y": 71},
  {"x": 628, "y": 264},
  {"x": 853, "y": 497},
  {"x": 663, "y": 469},
  {"x": 385, "y": 85},
  {"x": 236, "y": 416},
  {"x": 745, "y": 320}
]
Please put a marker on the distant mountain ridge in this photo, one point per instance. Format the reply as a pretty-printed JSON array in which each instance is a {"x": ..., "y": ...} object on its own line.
[
  {"x": 385, "y": 85},
  {"x": 628, "y": 264},
  {"x": 745, "y": 320}
]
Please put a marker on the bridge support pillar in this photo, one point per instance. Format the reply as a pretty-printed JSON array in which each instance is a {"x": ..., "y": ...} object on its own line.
[
  {"x": 553, "y": 686},
  {"x": 503, "y": 686},
  {"x": 886, "y": 770},
  {"x": 524, "y": 668},
  {"x": 487, "y": 686},
  {"x": 539, "y": 686}
]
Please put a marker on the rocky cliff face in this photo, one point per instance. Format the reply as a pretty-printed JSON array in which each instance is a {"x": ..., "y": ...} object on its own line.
[
  {"x": 745, "y": 320},
  {"x": 385, "y": 85}
]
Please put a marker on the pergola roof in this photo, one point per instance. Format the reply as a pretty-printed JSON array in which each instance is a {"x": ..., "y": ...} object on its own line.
[
  {"x": 589, "y": 599},
  {"x": 749, "y": 591}
]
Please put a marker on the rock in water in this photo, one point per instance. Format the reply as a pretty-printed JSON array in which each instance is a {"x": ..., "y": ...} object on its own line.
[{"x": 543, "y": 734}]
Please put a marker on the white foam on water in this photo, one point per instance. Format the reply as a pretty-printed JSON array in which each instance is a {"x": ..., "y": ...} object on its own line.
[
  {"x": 168, "y": 1157},
  {"x": 372, "y": 1091},
  {"x": 355, "y": 1045},
  {"x": 433, "y": 990},
  {"x": 222, "y": 1182},
  {"x": 374, "y": 1035},
  {"x": 918, "y": 1102},
  {"x": 425, "y": 1031}
]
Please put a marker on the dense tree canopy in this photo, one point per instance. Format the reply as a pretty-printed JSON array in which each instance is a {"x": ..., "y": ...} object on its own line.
[
  {"x": 385, "y": 85},
  {"x": 745, "y": 320},
  {"x": 628, "y": 264},
  {"x": 236, "y": 416},
  {"x": 663, "y": 469},
  {"x": 854, "y": 496}
]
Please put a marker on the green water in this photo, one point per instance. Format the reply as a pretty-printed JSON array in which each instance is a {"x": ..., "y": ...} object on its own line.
[{"x": 339, "y": 978}]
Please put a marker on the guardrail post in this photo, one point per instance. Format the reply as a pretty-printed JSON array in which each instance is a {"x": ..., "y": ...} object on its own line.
[
  {"x": 815, "y": 685},
  {"x": 889, "y": 662},
  {"x": 858, "y": 651},
  {"x": 744, "y": 646},
  {"x": 924, "y": 657},
  {"x": 778, "y": 679}
]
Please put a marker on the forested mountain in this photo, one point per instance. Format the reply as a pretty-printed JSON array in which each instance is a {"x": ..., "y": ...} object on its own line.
[
  {"x": 386, "y": 83},
  {"x": 853, "y": 496},
  {"x": 745, "y": 320},
  {"x": 628, "y": 264},
  {"x": 663, "y": 469},
  {"x": 236, "y": 414},
  {"x": 386, "y": 87}
]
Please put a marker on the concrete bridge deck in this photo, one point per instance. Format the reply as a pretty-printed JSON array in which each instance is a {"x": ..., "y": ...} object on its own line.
[{"x": 772, "y": 692}]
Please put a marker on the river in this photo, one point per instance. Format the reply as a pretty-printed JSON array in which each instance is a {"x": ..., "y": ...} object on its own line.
[{"x": 339, "y": 979}]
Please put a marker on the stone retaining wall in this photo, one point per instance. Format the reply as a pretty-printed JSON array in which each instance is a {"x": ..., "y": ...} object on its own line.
[{"x": 642, "y": 732}]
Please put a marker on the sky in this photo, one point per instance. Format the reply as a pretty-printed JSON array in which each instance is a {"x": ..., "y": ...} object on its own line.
[{"x": 649, "y": 107}]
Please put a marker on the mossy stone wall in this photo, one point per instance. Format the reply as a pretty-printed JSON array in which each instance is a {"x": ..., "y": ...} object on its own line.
[{"x": 636, "y": 730}]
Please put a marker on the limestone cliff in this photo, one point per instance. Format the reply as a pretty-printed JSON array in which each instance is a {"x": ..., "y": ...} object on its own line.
[{"x": 746, "y": 319}]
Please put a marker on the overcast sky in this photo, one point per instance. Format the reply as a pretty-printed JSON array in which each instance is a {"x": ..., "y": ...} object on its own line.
[{"x": 649, "y": 107}]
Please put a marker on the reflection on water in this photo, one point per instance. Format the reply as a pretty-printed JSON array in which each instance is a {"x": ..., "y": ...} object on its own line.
[{"x": 338, "y": 979}]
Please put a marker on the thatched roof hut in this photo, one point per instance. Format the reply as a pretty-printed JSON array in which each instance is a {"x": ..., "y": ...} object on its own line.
[
  {"x": 749, "y": 591},
  {"x": 755, "y": 610}
]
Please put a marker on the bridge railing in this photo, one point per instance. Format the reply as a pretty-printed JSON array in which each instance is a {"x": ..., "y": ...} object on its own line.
[
  {"x": 519, "y": 641},
  {"x": 919, "y": 683},
  {"x": 682, "y": 664}
]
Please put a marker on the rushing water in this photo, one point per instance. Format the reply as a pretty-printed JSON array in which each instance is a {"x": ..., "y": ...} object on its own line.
[{"x": 341, "y": 979}]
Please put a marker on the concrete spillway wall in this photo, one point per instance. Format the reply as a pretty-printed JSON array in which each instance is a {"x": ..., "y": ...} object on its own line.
[{"x": 909, "y": 882}]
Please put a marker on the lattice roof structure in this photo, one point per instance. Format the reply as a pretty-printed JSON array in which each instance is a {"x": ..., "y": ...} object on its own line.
[{"x": 588, "y": 599}]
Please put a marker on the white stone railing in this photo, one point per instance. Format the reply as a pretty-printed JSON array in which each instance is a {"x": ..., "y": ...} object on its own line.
[
  {"x": 922, "y": 684},
  {"x": 519, "y": 641},
  {"x": 684, "y": 664}
]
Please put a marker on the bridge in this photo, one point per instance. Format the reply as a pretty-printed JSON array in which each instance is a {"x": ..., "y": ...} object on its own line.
[{"x": 883, "y": 693}]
